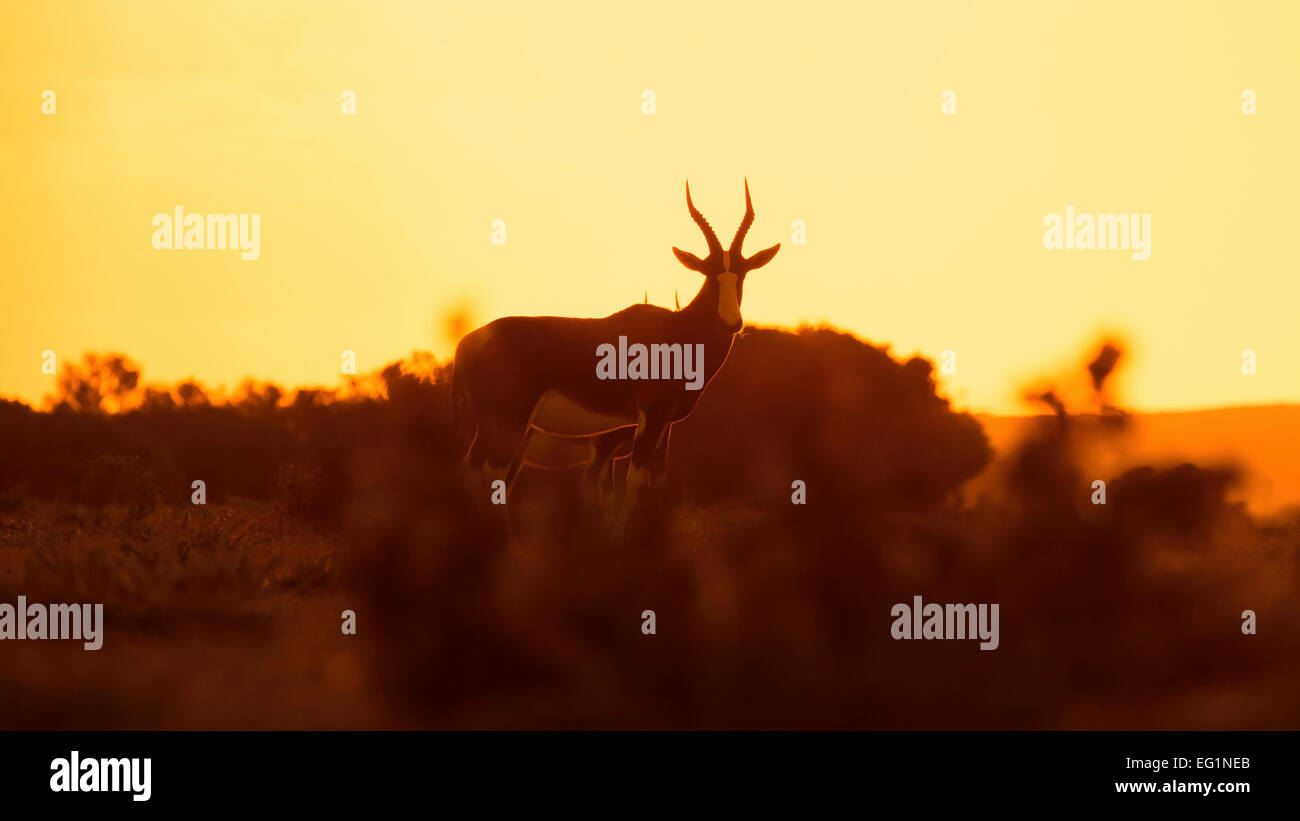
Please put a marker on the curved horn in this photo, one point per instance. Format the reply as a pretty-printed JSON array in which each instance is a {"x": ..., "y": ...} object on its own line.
[
  {"x": 715, "y": 247},
  {"x": 744, "y": 224}
]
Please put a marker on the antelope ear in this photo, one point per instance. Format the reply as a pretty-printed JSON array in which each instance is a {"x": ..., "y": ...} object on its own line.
[
  {"x": 689, "y": 260},
  {"x": 761, "y": 258}
]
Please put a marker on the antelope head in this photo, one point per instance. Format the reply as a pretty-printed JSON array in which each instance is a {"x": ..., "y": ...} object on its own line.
[{"x": 726, "y": 269}]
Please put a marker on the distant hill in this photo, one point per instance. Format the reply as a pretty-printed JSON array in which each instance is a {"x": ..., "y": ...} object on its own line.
[{"x": 1263, "y": 440}]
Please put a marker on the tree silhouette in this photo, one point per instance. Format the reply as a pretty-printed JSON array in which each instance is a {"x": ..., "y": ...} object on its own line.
[
  {"x": 110, "y": 379},
  {"x": 191, "y": 395}
]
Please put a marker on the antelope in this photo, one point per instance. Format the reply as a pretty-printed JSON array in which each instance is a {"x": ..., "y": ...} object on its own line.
[{"x": 520, "y": 374}]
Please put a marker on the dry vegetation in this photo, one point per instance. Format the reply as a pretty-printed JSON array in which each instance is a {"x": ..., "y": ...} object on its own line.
[{"x": 769, "y": 614}]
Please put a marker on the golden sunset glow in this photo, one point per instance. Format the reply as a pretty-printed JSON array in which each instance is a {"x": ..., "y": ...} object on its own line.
[{"x": 924, "y": 230}]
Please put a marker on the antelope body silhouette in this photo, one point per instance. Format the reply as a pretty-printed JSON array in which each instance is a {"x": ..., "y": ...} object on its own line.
[{"x": 521, "y": 374}]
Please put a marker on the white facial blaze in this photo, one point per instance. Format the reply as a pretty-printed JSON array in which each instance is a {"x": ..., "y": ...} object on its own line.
[{"x": 728, "y": 299}]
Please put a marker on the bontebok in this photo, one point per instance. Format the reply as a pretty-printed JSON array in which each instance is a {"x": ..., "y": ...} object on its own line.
[{"x": 643, "y": 367}]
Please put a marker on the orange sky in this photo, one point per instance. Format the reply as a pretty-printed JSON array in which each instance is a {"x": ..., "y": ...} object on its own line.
[{"x": 923, "y": 230}]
